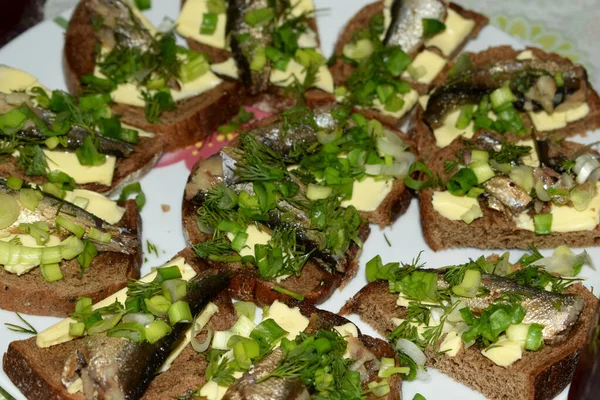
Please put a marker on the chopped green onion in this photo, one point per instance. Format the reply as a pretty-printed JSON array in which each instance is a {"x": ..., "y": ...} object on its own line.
[
  {"x": 318, "y": 192},
  {"x": 158, "y": 305},
  {"x": 51, "y": 272},
  {"x": 245, "y": 308},
  {"x": 209, "y": 23},
  {"x": 156, "y": 84},
  {"x": 194, "y": 68},
  {"x": 229, "y": 226},
  {"x": 379, "y": 389},
  {"x": 394, "y": 103},
  {"x": 259, "y": 16},
  {"x": 38, "y": 230},
  {"x": 558, "y": 79},
  {"x": 267, "y": 333},
  {"x": 417, "y": 184},
  {"x": 9, "y": 210},
  {"x": 419, "y": 396},
  {"x": 156, "y": 330},
  {"x": 88, "y": 154},
  {"x": 62, "y": 22},
  {"x": 469, "y": 287},
  {"x": 130, "y": 330},
  {"x": 98, "y": 236},
  {"x": 244, "y": 350},
  {"x": 52, "y": 142},
  {"x": 358, "y": 50},
  {"x": 180, "y": 312},
  {"x": 535, "y": 339},
  {"x": 174, "y": 289},
  {"x": 53, "y": 190},
  {"x": 239, "y": 241},
  {"x": 70, "y": 226},
  {"x": 482, "y": 170},
  {"x": 143, "y": 4},
  {"x": 522, "y": 175},
  {"x": 542, "y": 224},
  {"x": 396, "y": 61},
  {"x": 12, "y": 121},
  {"x": 81, "y": 202},
  {"x": 472, "y": 214},
  {"x": 480, "y": 155},
  {"x": 86, "y": 257},
  {"x": 475, "y": 192},
  {"x": 14, "y": 183},
  {"x": 502, "y": 96},
  {"x": 131, "y": 189},
  {"x": 308, "y": 57},
  {"x": 76, "y": 329},
  {"x": 104, "y": 324},
  {"x": 462, "y": 181},
  {"x": 285, "y": 291},
  {"x": 167, "y": 273},
  {"x": 372, "y": 268},
  {"x": 30, "y": 198},
  {"x": 54, "y": 254},
  {"x": 465, "y": 117},
  {"x": 432, "y": 27},
  {"x": 259, "y": 59}
]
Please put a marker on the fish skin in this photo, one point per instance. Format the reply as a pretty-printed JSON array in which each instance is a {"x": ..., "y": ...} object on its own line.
[
  {"x": 49, "y": 207},
  {"x": 406, "y": 28},
  {"x": 75, "y": 136},
  {"x": 117, "y": 368},
  {"x": 470, "y": 86},
  {"x": 274, "y": 388},
  {"x": 508, "y": 193},
  {"x": 255, "y": 81},
  {"x": 119, "y": 25},
  {"x": 557, "y": 312}
]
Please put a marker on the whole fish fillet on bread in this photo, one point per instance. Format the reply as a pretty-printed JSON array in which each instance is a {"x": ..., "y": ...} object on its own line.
[
  {"x": 187, "y": 120},
  {"x": 383, "y": 26},
  {"x": 39, "y": 372},
  {"x": 500, "y": 369}
]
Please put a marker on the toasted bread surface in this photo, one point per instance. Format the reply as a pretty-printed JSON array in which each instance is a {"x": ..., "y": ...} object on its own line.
[
  {"x": 109, "y": 272},
  {"x": 538, "y": 375},
  {"x": 192, "y": 120}
]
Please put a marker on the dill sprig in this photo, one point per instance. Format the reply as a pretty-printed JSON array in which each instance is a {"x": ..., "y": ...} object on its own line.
[
  {"x": 258, "y": 162},
  {"x": 28, "y": 328}
]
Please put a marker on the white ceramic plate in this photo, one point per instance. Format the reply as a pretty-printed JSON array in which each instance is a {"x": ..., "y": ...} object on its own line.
[{"x": 39, "y": 52}]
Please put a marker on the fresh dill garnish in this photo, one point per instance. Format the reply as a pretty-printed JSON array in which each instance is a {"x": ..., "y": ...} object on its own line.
[
  {"x": 62, "y": 22},
  {"x": 450, "y": 166},
  {"x": 218, "y": 368},
  {"x": 258, "y": 162},
  {"x": 214, "y": 248},
  {"x": 509, "y": 153},
  {"x": 387, "y": 240},
  {"x": 151, "y": 248},
  {"x": 28, "y": 328}
]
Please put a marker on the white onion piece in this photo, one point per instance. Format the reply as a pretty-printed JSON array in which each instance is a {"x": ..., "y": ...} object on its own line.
[
  {"x": 364, "y": 374},
  {"x": 394, "y": 139},
  {"x": 411, "y": 350},
  {"x": 387, "y": 148},
  {"x": 563, "y": 264},
  {"x": 595, "y": 175},
  {"x": 17, "y": 98},
  {"x": 406, "y": 158},
  {"x": 423, "y": 376},
  {"x": 397, "y": 170},
  {"x": 537, "y": 206},
  {"x": 196, "y": 345},
  {"x": 541, "y": 192},
  {"x": 373, "y": 169},
  {"x": 584, "y": 166},
  {"x": 140, "y": 318},
  {"x": 567, "y": 181}
]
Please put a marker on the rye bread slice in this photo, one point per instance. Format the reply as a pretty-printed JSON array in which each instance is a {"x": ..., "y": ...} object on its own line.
[
  {"x": 37, "y": 371},
  {"x": 341, "y": 70},
  {"x": 503, "y": 53},
  {"x": 127, "y": 170},
  {"x": 192, "y": 120},
  {"x": 108, "y": 273},
  {"x": 538, "y": 375},
  {"x": 493, "y": 230}
]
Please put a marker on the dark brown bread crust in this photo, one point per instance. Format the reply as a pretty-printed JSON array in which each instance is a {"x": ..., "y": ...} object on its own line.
[
  {"x": 493, "y": 230},
  {"x": 341, "y": 70},
  {"x": 502, "y": 53},
  {"x": 127, "y": 170},
  {"x": 37, "y": 372},
  {"x": 314, "y": 283},
  {"x": 538, "y": 375},
  {"x": 194, "y": 118},
  {"x": 109, "y": 272}
]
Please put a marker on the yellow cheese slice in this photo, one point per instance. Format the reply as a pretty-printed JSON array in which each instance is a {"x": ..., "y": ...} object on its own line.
[
  {"x": 445, "y": 134},
  {"x": 430, "y": 62},
  {"x": 190, "y": 21},
  {"x": 453, "y": 207},
  {"x": 69, "y": 164},
  {"x": 290, "y": 319},
  {"x": 324, "y": 79},
  {"x": 410, "y": 99},
  {"x": 99, "y": 205},
  {"x": 255, "y": 236},
  {"x": 457, "y": 29},
  {"x": 558, "y": 119},
  {"x": 369, "y": 193}
]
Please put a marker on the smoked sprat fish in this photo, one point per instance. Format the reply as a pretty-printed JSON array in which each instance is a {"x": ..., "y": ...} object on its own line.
[{"x": 118, "y": 368}]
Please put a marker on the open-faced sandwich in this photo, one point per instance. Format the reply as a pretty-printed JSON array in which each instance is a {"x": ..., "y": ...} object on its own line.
[
  {"x": 53, "y": 251},
  {"x": 289, "y": 202},
  {"x": 52, "y": 137},
  {"x": 272, "y": 47},
  {"x": 176, "y": 334},
  {"x": 506, "y": 90},
  {"x": 155, "y": 84},
  {"x": 510, "y": 191},
  {"x": 390, "y": 52},
  {"x": 509, "y": 331}
]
